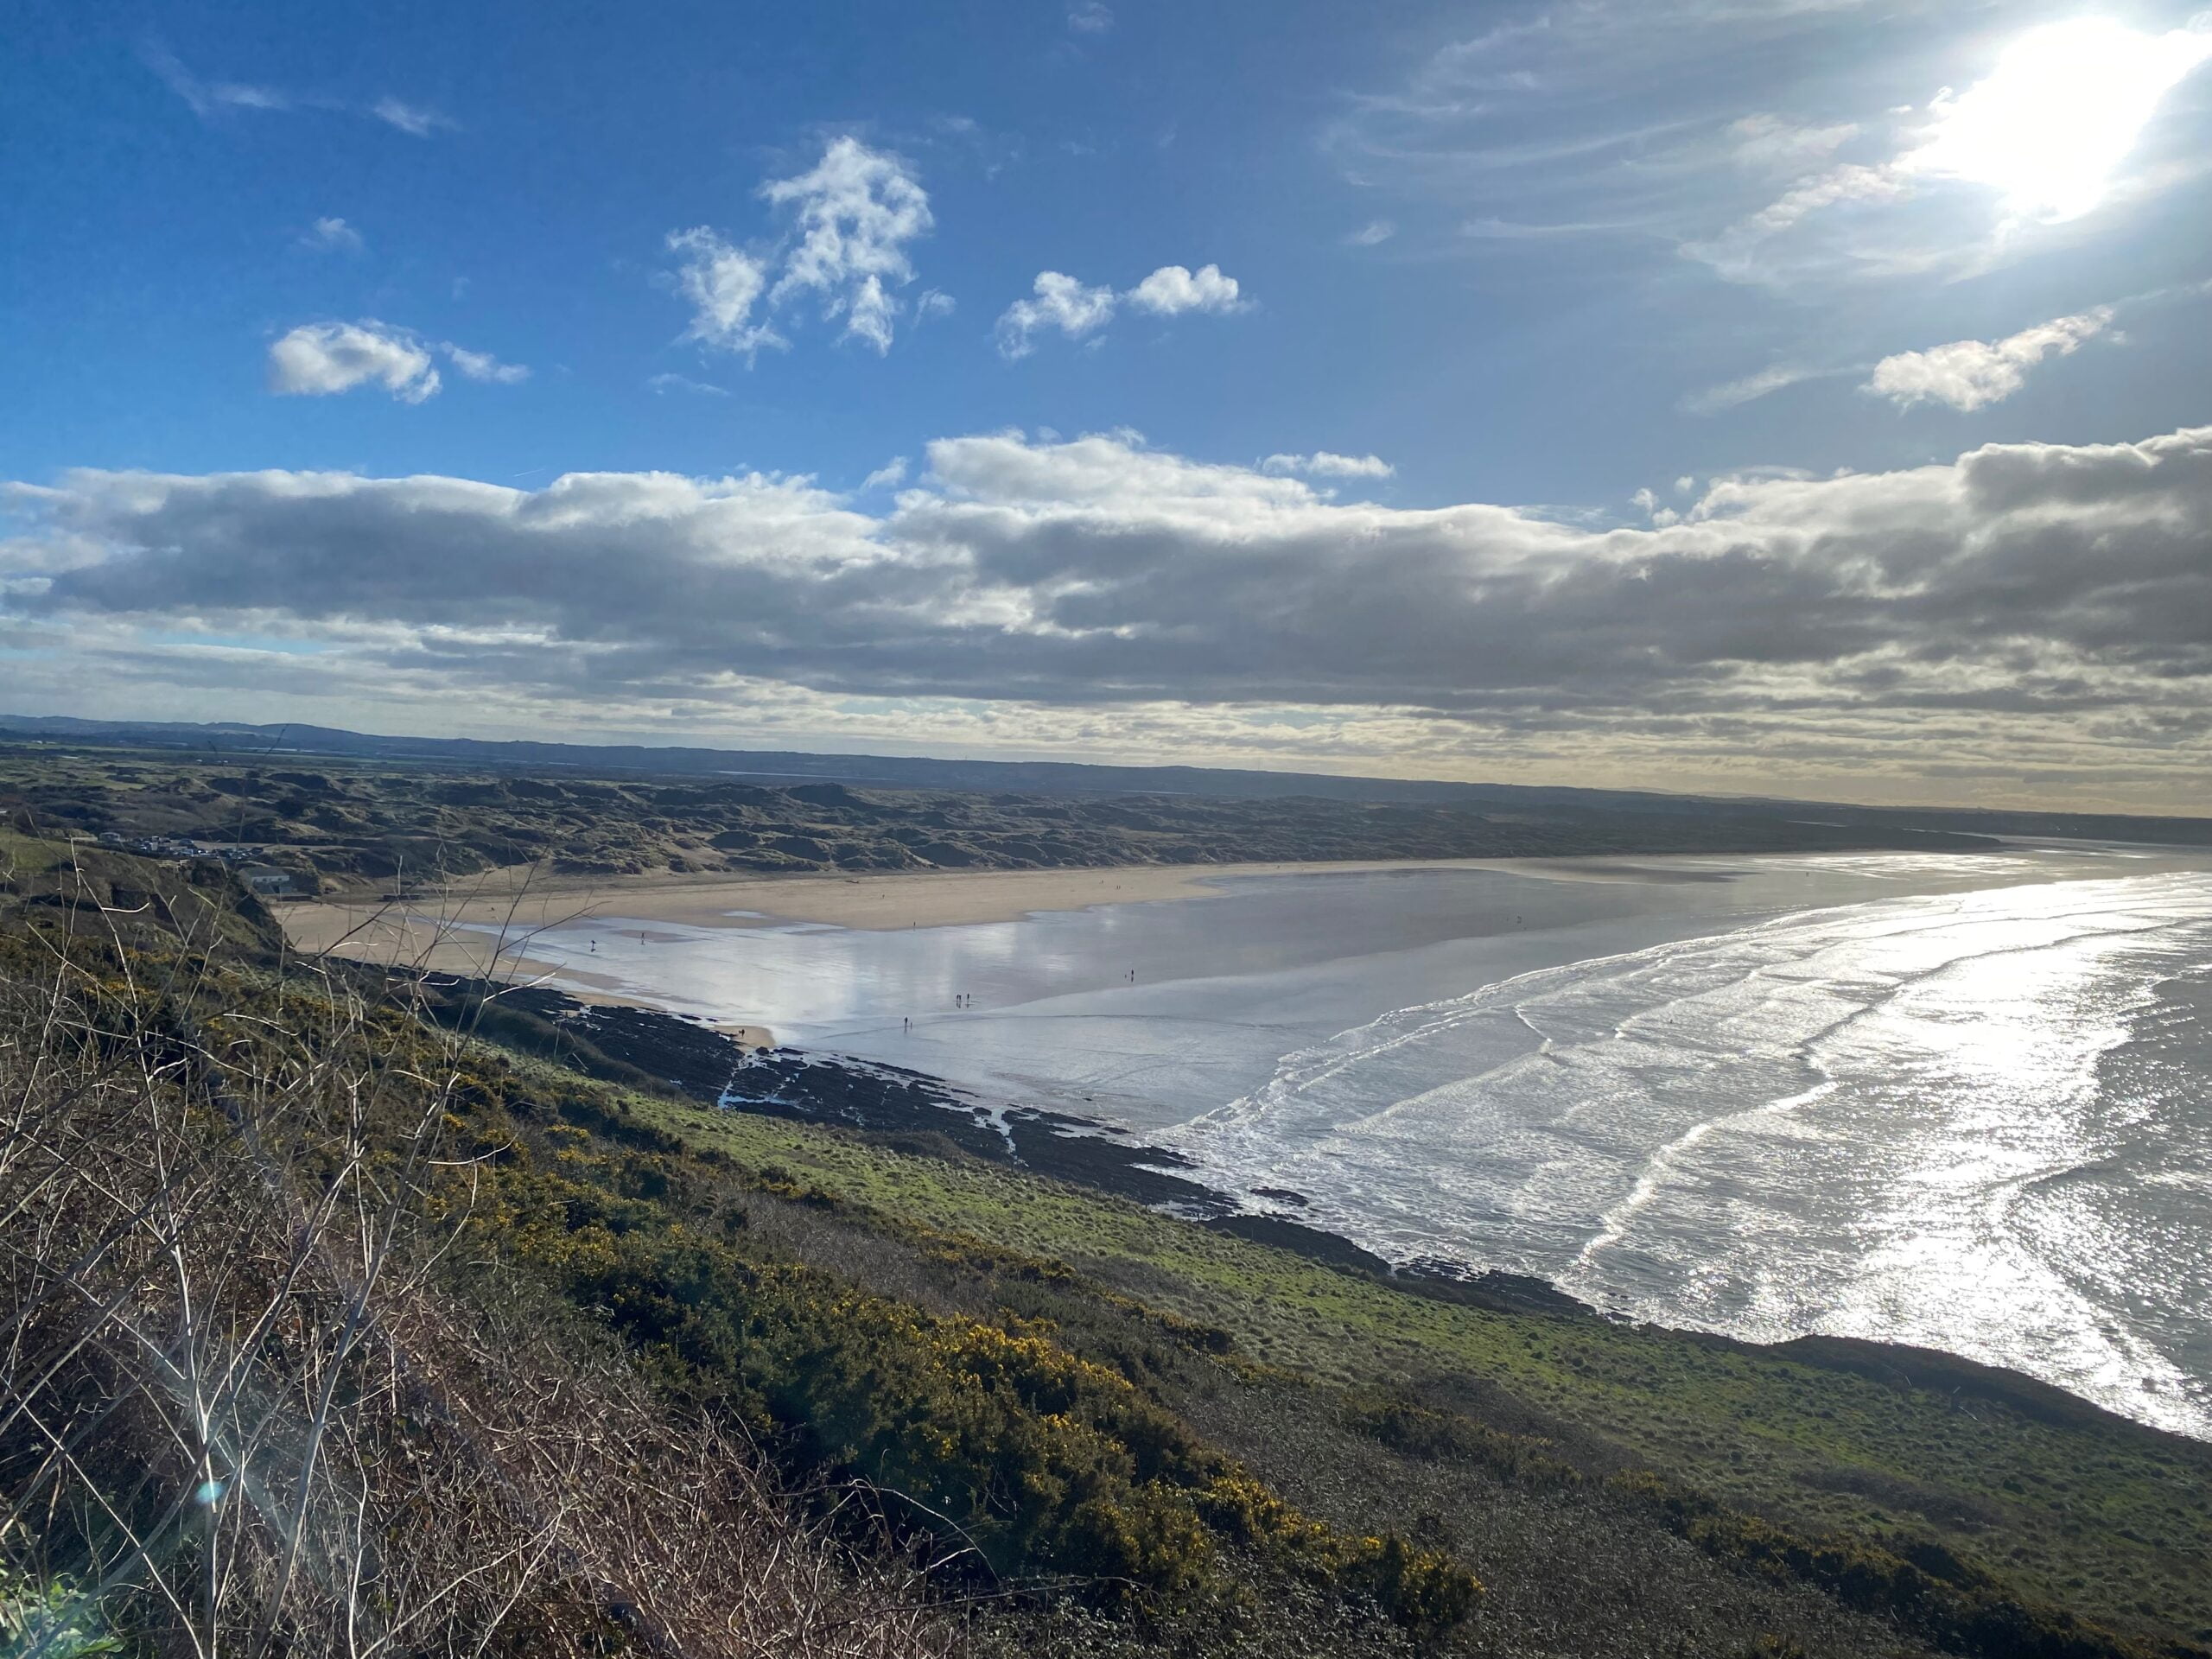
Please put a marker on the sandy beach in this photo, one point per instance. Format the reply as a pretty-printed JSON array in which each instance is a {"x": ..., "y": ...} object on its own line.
[{"x": 422, "y": 930}]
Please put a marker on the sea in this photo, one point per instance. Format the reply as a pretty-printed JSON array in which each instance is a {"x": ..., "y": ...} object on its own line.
[{"x": 1960, "y": 1101}]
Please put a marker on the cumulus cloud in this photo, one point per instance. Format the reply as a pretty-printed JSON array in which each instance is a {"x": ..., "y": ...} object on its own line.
[
  {"x": 1325, "y": 463},
  {"x": 2027, "y": 605},
  {"x": 1060, "y": 302},
  {"x": 332, "y": 236},
  {"x": 1173, "y": 289},
  {"x": 413, "y": 119},
  {"x": 888, "y": 476},
  {"x": 722, "y": 284},
  {"x": 1077, "y": 309},
  {"x": 319, "y": 359},
  {"x": 933, "y": 302},
  {"x": 853, "y": 214},
  {"x": 857, "y": 209},
  {"x": 1968, "y": 374}
]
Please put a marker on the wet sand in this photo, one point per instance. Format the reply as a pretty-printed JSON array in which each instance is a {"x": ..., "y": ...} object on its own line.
[{"x": 420, "y": 928}]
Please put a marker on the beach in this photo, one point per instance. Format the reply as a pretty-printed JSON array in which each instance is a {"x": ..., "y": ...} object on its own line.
[{"x": 1709, "y": 1091}]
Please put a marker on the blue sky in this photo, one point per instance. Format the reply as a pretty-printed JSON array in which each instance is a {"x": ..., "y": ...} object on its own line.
[{"x": 1523, "y": 301}]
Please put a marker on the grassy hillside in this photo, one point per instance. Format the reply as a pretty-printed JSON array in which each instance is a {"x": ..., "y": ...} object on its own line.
[
  {"x": 331, "y": 1326},
  {"x": 2079, "y": 1506},
  {"x": 365, "y": 826}
]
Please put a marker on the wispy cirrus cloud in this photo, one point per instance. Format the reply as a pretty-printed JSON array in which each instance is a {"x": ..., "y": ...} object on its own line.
[
  {"x": 208, "y": 99},
  {"x": 1604, "y": 118},
  {"x": 1732, "y": 394},
  {"x": 664, "y": 384},
  {"x": 416, "y": 120},
  {"x": 212, "y": 100},
  {"x": 482, "y": 365}
]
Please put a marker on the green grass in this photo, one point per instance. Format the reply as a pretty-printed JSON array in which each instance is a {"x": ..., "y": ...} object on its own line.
[{"x": 2102, "y": 1515}]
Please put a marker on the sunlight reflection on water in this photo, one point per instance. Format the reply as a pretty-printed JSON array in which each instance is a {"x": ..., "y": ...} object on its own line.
[{"x": 1978, "y": 1119}]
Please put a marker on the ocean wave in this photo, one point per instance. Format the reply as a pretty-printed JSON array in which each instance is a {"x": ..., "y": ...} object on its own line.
[{"x": 1977, "y": 1121}]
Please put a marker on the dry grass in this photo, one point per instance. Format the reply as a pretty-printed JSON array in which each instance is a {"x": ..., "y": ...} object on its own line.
[{"x": 251, "y": 1401}]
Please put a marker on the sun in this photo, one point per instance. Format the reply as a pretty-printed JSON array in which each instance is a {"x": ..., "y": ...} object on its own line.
[{"x": 2059, "y": 112}]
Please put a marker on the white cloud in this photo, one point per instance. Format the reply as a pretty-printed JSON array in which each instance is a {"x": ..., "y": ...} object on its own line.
[
  {"x": 1712, "y": 400},
  {"x": 1685, "y": 484},
  {"x": 2027, "y": 610},
  {"x": 1077, "y": 309},
  {"x": 410, "y": 118},
  {"x": 1173, "y": 289},
  {"x": 1090, "y": 16},
  {"x": 332, "y": 236},
  {"x": 663, "y": 384},
  {"x": 854, "y": 212},
  {"x": 1372, "y": 234},
  {"x": 889, "y": 475},
  {"x": 1968, "y": 374},
  {"x": 1061, "y": 302},
  {"x": 1324, "y": 463},
  {"x": 723, "y": 284},
  {"x": 482, "y": 365},
  {"x": 1769, "y": 142},
  {"x": 933, "y": 302},
  {"x": 857, "y": 209},
  {"x": 319, "y": 359},
  {"x": 208, "y": 99}
]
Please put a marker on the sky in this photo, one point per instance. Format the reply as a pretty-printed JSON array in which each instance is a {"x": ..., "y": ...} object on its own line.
[{"x": 1752, "y": 395}]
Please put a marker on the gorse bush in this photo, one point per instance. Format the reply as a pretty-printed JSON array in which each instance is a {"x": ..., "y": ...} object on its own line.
[
  {"x": 1943, "y": 1600},
  {"x": 340, "y": 1332},
  {"x": 1041, "y": 1464}
]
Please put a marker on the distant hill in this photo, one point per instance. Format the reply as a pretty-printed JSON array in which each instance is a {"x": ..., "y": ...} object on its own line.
[{"x": 1050, "y": 778}]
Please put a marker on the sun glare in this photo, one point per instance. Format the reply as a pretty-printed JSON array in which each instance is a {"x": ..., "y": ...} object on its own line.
[{"x": 2061, "y": 110}]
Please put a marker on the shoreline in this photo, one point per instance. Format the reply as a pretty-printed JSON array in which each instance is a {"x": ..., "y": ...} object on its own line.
[
  {"x": 919, "y": 1114},
  {"x": 869, "y": 903},
  {"x": 444, "y": 931}
]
